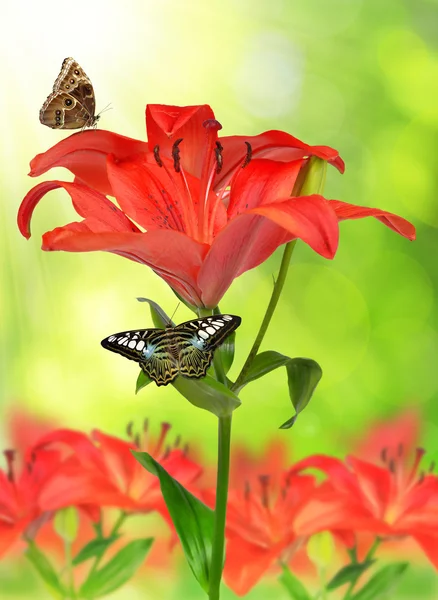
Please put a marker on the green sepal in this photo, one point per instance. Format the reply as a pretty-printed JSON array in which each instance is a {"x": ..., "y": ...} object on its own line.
[
  {"x": 209, "y": 394},
  {"x": 303, "y": 376},
  {"x": 94, "y": 549},
  {"x": 192, "y": 519},
  {"x": 159, "y": 316},
  {"x": 66, "y": 523},
  {"x": 45, "y": 570},
  {"x": 117, "y": 571},
  {"x": 293, "y": 585},
  {"x": 348, "y": 574},
  {"x": 382, "y": 582}
]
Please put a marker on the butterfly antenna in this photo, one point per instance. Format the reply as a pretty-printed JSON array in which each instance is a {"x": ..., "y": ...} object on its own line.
[
  {"x": 171, "y": 318},
  {"x": 107, "y": 107}
]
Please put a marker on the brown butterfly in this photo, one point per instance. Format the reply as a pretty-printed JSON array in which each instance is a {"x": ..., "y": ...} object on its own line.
[{"x": 72, "y": 104}]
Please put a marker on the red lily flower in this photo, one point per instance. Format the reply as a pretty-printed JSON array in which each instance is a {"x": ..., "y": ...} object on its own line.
[
  {"x": 187, "y": 208},
  {"x": 20, "y": 511},
  {"x": 99, "y": 470},
  {"x": 399, "y": 500}
]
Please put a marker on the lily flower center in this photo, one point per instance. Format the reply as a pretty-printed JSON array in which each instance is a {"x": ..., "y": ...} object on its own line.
[{"x": 405, "y": 477}]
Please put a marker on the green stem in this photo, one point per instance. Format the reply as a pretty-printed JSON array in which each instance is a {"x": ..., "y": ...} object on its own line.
[
  {"x": 276, "y": 292},
  {"x": 69, "y": 569},
  {"x": 223, "y": 469},
  {"x": 120, "y": 520},
  {"x": 369, "y": 556}
]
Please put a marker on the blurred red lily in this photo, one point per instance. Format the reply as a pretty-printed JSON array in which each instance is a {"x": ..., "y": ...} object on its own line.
[
  {"x": 398, "y": 498},
  {"x": 99, "y": 470},
  {"x": 198, "y": 209},
  {"x": 20, "y": 489}
]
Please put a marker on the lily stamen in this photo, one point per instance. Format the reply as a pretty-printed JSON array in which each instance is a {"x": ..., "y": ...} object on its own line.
[
  {"x": 248, "y": 156},
  {"x": 175, "y": 155},
  {"x": 157, "y": 156},
  {"x": 10, "y": 457}
]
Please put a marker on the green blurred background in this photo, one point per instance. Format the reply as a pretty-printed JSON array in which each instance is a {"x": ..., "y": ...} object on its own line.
[{"x": 360, "y": 76}]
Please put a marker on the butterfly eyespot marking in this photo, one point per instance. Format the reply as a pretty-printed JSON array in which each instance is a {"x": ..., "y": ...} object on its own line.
[
  {"x": 72, "y": 81},
  {"x": 68, "y": 102},
  {"x": 67, "y": 87},
  {"x": 76, "y": 72},
  {"x": 58, "y": 112}
]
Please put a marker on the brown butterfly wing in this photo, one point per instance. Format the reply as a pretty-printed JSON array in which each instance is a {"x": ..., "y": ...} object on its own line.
[{"x": 72, "y": 104}]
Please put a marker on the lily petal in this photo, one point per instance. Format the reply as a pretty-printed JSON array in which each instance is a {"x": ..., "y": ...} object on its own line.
[
  {"x": 251, "y": 237},
  {"x": 344, "y": 210},
  {"x": 273, "y": 144},
  {"x": 171, "y": 254},
  {"x": 261, "y": 182},
  {"x": 166, "y": 124},
  {"x": 84, "y": 154},
  {"x": 87, "y": 203}
]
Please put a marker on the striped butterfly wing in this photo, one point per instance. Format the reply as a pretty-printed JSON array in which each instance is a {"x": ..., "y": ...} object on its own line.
[
  {"x": 198, "y": 339},
  {"x": 148, "y": 347}
]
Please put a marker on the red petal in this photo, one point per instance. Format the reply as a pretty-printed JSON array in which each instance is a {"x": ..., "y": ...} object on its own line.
[
  {"x": 374, "y": 483},
  {"x": 429, "y": 544},
  {"x": 84, "y": 154},
  {"x": 118, "y": 458},
  {"x": 248, "y": 240},
  {"x": 344, "y": 210},
  {"x": 155, "y": 197},
  {"x": 276, "y": 145},
  {"x": 9, "y": 534},
  {"x": 171, "y": 254},
  {"x": 166, "y": 124},
  {"x": 246, "y": 563},
  {"x": 87, "y": 203},
  {"x": 262, "y": 182}
]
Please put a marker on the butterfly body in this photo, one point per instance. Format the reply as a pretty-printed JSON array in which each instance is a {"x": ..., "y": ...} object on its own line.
[
  {"x": 72, "y": 104},
  {"x": 186, "y": 349}
]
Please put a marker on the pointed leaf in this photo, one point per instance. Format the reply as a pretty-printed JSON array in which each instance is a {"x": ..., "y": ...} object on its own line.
[
  {"x": 348, "y": 574},
  {"x": 193, "y": 520},
  {"x": 45, "y": 570},
  {"x": 293, "y": 585},
  {"x": 209, "y": 394},
  {"x": 94, "y": 549},
  {"x": 382, "y": 582},
  {"x": 159, "y": 317},
  {"x": 117, "y": 571},
  {"x": 142, "y": 381},
  {"x": 303, "y": 376}
]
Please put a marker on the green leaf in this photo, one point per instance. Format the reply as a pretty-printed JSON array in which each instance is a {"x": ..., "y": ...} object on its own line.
[
  {"x": 117, "y": 571},
  {"x": 94, "y": 549},
  {"x": 159, "y": 317},
  {"x": 303, "y": 376},
  {"x": 382, "y": 582},
  {"x": 293, "y": 585},
  {"x": 209, "y": 394},
  {"x": 66, "y": 523},
  {"x": 45, "y": 570},
  {"x": 142, "y": 381},
  {"x": 193, "y": 520},
  {"x": 348, "y": 574}
]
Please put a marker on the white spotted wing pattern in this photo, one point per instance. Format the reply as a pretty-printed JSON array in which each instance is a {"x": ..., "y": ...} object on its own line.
[{"x": 186, "y": 349}]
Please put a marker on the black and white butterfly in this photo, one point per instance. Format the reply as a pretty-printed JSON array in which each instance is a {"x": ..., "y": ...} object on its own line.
[{"x": 186, "y": 349}]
